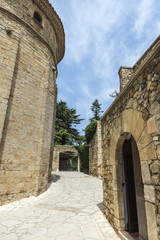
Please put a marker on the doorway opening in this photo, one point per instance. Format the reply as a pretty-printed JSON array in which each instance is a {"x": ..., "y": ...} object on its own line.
[
  {"x": 68, "y": 162},
  {"x": 134, "y": 203}
]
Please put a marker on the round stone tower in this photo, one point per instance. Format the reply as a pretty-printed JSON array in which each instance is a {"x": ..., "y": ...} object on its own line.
[{"x": 32, "y": 43}]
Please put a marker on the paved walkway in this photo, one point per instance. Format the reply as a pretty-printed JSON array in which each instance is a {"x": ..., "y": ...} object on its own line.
[{"x": 68, "y": 210}]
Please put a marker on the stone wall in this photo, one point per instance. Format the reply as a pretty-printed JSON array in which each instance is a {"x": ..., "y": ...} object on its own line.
[
  {"x": 63, "y": 149},
  {"x": 95, "y": 153},
  {"x": 29, "y": 54},
  {"x": 136, "y": 111},
  {"x": 125, "y": 74}
]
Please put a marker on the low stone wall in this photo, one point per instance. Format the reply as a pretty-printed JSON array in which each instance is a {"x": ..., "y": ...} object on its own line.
[
  {"x": 136, "y": 111},
  {"x": 95, "y": 153}
]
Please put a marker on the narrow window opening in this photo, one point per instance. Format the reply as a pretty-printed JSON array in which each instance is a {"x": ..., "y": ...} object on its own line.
[{"x": 38, "y": 17}]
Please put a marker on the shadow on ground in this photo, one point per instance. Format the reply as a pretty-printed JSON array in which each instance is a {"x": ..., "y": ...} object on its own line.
[
  {"x": 55, "y": 177},
  {"x": 101, "y": 207}
]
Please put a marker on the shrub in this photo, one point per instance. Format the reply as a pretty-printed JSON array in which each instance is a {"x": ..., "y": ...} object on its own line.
[
  {"x": 84, "y": 156},
  {"x": 90, "y": 130}
]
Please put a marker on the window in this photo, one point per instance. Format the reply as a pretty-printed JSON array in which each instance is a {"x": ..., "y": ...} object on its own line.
[{"x": 37, "y": 17}]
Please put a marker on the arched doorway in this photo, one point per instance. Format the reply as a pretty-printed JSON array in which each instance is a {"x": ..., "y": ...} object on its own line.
[
  {"x": 65, "y": 158},
  {"x": 134, "y": 202},
  {"x": 68, "y": 161},
  {"x": 131, "y": 122}
]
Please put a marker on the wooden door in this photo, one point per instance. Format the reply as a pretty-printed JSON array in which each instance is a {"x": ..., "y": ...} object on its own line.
[
  {"x": 142, "y": 223},
  {"x": 63, "y": 162},
  {"x": 129, "y": 189}
]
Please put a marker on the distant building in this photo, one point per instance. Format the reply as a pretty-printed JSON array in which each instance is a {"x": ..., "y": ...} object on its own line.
[
  {"x": 31, "y": 45},
  {"x": 130, "y": 150}
]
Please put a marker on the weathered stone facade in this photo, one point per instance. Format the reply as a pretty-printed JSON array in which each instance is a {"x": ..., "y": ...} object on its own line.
[
  {"x": 136, "y": 113},
  {"x": 95, "y": 153},
  {"x": 63, "y": 149},
  {"x": 31, "y": 46}
]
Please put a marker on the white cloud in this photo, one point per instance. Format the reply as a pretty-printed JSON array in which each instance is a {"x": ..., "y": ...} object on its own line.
[
  {"x": 63, "y": 84},
  {"x": 102, "y": 35},
  {"x": 144, "y": 13},
  {"x": 88, "y": 24},
  {"x": 157, "y": 28}
]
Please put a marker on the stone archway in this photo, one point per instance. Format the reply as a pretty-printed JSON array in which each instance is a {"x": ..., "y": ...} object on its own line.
[
  {"x": 131, "y": 122},
  {"x": 59, "y": 152}
]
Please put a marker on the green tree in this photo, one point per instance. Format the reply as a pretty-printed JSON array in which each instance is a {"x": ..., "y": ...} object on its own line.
[
  {"x": 66, "y": 121},
  {"x": 84, "y": 156},
  {"x": 90, "y": 130},
  {"x": 96, "y": 109},
  {"x": 73, "y": 163},
  {"x": 83, "y": 149}
]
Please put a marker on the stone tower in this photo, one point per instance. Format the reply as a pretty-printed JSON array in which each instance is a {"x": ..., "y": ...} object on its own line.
[{"x": 31, "y": 45}]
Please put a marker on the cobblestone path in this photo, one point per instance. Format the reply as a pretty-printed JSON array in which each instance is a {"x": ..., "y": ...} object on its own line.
[{"x": 69, "y": 210}]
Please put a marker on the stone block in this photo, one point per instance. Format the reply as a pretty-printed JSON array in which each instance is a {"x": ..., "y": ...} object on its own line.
[
  {"x": 146, "y": 176},
  {"x": 155, "y": 167},
  {"x": 152, "y": 126},
  {"x": 119, "y": 224},
  {"x": 118, "y": 204},
  {"x": 158, "y": 152},
  {"x": 158, "y": 219},
  {"x": 144, "y": 139},
  {"x": 138, "y": 125},
  {"x": 149, "y": 193},
  {"x": 126, "y": 121},
  {"x": 151, "y": 221},
  {"x": 155, "y": 179},
  {"x": 148, "y": 153}
]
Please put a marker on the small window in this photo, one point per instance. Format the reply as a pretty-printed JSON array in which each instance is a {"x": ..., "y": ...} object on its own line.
[{"x": 38, "y": 17}]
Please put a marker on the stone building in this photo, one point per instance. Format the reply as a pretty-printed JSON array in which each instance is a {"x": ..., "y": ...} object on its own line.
[
  {"x": 95, "y": 153},
  {"x": 61, "y": 157},
  {"x": 31, "y": 46},
  {"x": 131, "y": 150}
]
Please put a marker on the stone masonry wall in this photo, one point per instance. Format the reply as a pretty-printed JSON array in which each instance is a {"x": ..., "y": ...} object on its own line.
[
  {"x": 137, "y": 111},
  {"x": 29, "y": 54},
  {"x": 125, "y": 74},
  {"x": 51, "y": 29},
  {"x": 95, "y": 153}
]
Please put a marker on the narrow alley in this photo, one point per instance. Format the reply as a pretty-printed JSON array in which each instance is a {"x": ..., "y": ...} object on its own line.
[{"x": 69, "y": 210}]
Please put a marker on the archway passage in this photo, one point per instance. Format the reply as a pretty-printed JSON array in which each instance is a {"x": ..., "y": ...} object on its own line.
[
  {"x": 68, "y": 161},
  {"x": 62, "y": 153},
  {"x": 135, "y": 216},
  {"x": 63, "y": 162}
]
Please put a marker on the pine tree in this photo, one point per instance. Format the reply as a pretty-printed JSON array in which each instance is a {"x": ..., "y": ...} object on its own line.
[
  {"x": 66, "y": 121},
  {"x": 96, "y": 109}
]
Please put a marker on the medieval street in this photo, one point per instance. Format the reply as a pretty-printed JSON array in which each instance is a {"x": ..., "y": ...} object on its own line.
[{"x": 69, "y": 210}]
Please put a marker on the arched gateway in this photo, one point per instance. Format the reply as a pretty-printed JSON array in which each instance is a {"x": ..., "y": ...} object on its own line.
[
  {"x": 63, "y": 158},
  {"x": 130, "y": 150}
]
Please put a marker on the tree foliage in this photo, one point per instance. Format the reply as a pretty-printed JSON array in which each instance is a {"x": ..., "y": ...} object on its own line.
[
  {"x": 96, "y": 109},
  {"x": 84, "y": 156},
  {"x": 84, "y": 149},
  {"x": 66, "y": 121},
  {"x": 73, "y": 163},
  {"x": 90, "y": 130},
  {"x": 66, "y": 132}
]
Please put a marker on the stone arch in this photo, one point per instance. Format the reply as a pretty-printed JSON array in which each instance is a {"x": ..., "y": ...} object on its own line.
[
  {"x": 131, "y": 122},
  {"x": 61, "y": 149}
]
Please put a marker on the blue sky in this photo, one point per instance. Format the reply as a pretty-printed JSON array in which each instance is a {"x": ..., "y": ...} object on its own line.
[{"x": 101, "y": 36}]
